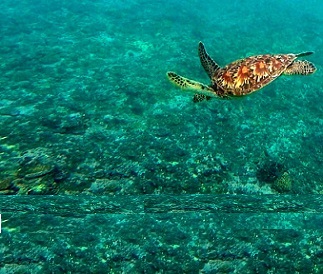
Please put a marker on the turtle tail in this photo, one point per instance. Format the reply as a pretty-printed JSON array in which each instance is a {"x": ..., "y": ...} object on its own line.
[{"x": 300, "y": 67}]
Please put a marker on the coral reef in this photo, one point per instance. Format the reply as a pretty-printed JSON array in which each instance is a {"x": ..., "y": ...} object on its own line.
[{"x": 92, "y": 90}]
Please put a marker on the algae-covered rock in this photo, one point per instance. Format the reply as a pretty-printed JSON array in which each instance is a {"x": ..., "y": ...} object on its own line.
[
  {"x": 34, "y": 164},
  {"x": 38, "y": 173},
  {"x": 283, "y": 183}
]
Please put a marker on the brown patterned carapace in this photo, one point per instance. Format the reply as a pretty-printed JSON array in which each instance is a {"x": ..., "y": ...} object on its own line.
[{"x": 247, "y": 75}]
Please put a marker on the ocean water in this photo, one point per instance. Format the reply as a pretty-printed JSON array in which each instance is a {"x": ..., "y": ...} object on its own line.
[
  {"x": 86, "y": 108},
  {"x": 85, "y": 105}
]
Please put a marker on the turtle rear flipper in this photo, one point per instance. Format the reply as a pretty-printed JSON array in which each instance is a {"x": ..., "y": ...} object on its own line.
[
  {"x": 200, "y": 98},
  {"x": 300, "y": 67},
  {"x": 305, "y": 53},
  {"x": 209, "y": 65}
]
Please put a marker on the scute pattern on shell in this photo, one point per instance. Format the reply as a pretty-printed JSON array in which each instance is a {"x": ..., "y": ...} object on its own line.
[{"x": 250, "y": 74}]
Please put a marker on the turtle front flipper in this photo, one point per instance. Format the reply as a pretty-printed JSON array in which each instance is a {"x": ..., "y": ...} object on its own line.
[
  {"x": 300, "y": 67},
  {"x": 185, "y": 83},
  {"x": 209, "y": 65}
]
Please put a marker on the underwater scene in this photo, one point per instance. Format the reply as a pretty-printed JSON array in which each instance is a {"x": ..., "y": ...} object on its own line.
[
  {"x": 86, "y": 106},
  {"x": 143, "y": 136}
]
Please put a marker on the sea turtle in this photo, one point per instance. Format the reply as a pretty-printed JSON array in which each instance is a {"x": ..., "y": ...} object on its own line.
[{"x": 243, "y": 76}]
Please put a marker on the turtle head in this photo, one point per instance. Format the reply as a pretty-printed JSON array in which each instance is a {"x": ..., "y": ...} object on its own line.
[{"x": 219, "y": 91}]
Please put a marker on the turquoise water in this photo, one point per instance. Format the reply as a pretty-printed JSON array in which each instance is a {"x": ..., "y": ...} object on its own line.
[
  {"x": 86, "y": 108},
  {"x": 85, "y": 105}
]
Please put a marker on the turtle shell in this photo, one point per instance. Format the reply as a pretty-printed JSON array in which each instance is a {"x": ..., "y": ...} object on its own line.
[{"x": 247, "y": 75}]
